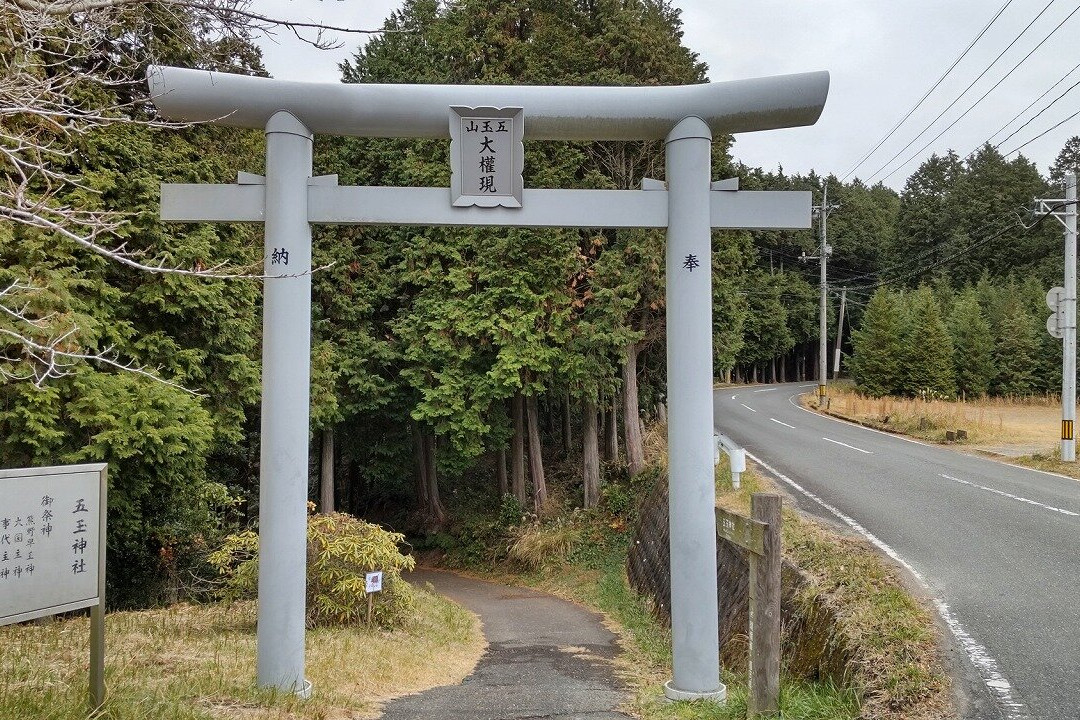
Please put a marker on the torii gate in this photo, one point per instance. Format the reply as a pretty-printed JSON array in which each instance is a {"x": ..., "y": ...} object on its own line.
[{"x": 487, "y": 125}]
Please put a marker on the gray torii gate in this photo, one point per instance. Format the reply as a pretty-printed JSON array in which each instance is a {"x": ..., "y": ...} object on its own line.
[{"x": 288, "y": 199}]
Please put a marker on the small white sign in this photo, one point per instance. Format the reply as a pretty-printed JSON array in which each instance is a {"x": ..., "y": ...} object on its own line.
[
  {"x": 373, "y": 582},
  {"x": 52, "y": 528},
  {"x": 486, "y": 156}
]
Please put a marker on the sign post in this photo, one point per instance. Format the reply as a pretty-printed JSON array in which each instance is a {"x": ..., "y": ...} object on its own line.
[
  {"x": 52, "y": 550},
  {"x": 486, "y": 125},
  {"x": 372, "y": 585}
]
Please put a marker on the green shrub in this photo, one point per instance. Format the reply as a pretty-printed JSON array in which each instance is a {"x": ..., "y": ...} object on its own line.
[{"x": 341, "y": 549}]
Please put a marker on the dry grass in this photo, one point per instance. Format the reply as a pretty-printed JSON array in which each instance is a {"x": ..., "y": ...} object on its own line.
[
  {"x": 538, "y": 545},
  {"x": 192, "y": 662},
  {"x": 1008, "y": 426}
]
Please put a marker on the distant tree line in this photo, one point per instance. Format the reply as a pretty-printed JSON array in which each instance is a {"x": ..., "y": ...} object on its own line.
[{"x": 936, "y": 342}]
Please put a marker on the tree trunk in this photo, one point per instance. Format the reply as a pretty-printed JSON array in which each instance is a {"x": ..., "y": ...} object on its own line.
[
  {"x": 435, "y": 507},
  {"x": 500, "y": 473},
  {"x": 567, "y": 439},
  {"x": 772, "y": 370},
  {"x": 517, "y": 449},
  {"x": 661, "y": 413},
  {"x": 754, "y": 378},
  {"x": 326, "y": 472},
  {"x": 420, "y": 455},
  {"x": 536, "y": 458},
  {"x": 635, "y": 446},
  {"x": 611, "y": 437},
  {"x": 590, "y": 460}
]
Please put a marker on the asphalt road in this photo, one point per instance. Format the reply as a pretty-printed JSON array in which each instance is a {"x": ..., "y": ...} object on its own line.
[
  {"x": 995, "y": 546},
  {"x": 546, "y": 658}
]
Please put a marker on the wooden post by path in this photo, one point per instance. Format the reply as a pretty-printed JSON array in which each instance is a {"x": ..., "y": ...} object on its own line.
[{"x": 765, "y": 609}]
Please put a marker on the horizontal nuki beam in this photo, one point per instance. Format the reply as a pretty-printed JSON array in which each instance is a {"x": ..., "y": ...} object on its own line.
[
  {"x": 358, "y": 205},
  {"x": 551, "y": 113}
]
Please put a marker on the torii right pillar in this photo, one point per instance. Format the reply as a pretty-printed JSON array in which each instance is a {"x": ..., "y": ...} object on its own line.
[{"x": 692, "y": 490}]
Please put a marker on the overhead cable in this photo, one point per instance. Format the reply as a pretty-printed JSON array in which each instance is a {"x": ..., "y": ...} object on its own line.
[
  {"x": 1020, "y": 114},
  {"x": 933, "y": 87},
  {"x": 1043, "y": 133},
  {"x": 994, "y": 87},
  {"x": 965, "y": 249},
  {"x": 962, "y": 94}
]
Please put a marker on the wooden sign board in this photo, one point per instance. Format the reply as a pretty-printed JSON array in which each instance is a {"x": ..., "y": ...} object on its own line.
[{"x": 744, "y": 532}]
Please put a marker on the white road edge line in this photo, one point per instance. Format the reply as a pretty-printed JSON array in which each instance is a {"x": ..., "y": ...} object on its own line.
[
  {"x": 791, "y": 400},
  {"x": 748, "y": 407},
  {"x": 781, "y": 422},
  {"x": 766, "y": 390},
  {"x": 897, "y": 436},
  {"x": 852, "y": 447},
  {"x": 1010, "y": 495},
  {"x": 986, "y": 665}
]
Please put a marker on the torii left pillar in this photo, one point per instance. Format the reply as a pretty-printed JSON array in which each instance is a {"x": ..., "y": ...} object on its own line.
[{"x": 286, "y": 363}]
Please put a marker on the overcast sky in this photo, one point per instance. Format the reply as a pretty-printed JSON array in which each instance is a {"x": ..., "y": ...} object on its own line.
[{"x": 883, "y": 56}]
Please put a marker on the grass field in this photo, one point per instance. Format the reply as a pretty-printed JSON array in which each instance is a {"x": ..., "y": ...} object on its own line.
[
  {"x": 197, "y": 662},
  {"x": 1026, "y": 431}
]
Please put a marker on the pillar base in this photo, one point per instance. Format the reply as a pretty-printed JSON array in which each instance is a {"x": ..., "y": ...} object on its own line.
[
  {"x": 303, "y": 691},
  {"x": 672, "y": 693}
]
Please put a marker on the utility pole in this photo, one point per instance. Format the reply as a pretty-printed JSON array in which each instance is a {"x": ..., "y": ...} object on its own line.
[
  {"x": 839, "y": 335},
  {"x": 1062, "y": 324},
  {"x": 823, "y": 253}
]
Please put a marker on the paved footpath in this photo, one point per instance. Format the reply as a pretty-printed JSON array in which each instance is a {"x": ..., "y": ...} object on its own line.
[{"x": 546, "y": 658}]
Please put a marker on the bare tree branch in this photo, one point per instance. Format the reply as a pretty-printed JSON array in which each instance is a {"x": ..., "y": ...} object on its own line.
[{"x": 54, "y": 54}]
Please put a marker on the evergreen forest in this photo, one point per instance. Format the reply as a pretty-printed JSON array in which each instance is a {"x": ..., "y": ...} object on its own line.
[{"x": 453, "y": 362}]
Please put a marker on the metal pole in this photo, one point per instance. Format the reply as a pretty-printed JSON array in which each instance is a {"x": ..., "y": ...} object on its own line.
[
  {"x": 286, "y": 386},
  {"x": 823, "y": 353},
  {"x": 694, "y": 633},
  {"x": 839, "y": 334},
  {"x": 1068, "y": 366}
]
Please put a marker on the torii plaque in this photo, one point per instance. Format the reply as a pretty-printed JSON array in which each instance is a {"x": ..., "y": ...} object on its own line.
[{"x": 288, "y": 200}]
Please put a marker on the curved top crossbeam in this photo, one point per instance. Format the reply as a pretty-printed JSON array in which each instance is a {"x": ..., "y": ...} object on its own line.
[{"x": 551, "y": 113}]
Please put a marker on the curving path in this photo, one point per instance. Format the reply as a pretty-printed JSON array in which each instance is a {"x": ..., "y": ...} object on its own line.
[
  {"x": 546, "y": 658},
  {"x": 994, "y": 545}
]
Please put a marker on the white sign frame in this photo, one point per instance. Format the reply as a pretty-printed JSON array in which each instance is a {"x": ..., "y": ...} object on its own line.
[
  {"x": 373, "y": 582},
  {"x": 67, "y": 604},
  {"x": 511, "y": 197},
  {"x": 96, "y": 604}
]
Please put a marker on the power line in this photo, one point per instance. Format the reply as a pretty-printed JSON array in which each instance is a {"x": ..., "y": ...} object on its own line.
[
  {"x": 1045, "y": 132},
  {"x": 962, "y": 94},
  {"x": 1021, "y": 113},
  {"x": 995, "y": 86},
  {"x": 964, "y": 250},
  {"x": 933, "y": 87},
  {"x": 1039, "y": 114}
]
